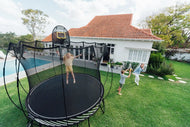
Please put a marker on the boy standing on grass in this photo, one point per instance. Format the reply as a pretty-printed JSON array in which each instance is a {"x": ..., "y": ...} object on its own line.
[
  {"x": 68, "y": 60},
  {"x": 137, "y": 72},
  {"x": 122, "y": 80}
]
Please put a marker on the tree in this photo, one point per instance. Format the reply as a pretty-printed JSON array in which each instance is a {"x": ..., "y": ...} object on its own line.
[
  {"x": 172, "y": 25},
  {"x": 26, "y": 38},
  {"x": 35, "y": 21},
  {"x": 6, "y": 38},
  {"x": 159, "y": 47}
]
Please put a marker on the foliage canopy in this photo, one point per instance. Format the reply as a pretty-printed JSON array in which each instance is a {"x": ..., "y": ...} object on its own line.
[
  {"x": 35, "y": 21},
  {"x": 172, "y": 25}
]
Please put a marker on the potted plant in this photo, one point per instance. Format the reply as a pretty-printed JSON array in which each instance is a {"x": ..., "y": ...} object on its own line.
[{"x": 118, "y": 65}]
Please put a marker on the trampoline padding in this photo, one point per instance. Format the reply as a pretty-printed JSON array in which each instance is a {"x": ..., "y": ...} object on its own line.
[{"x": 47, "y": 100}]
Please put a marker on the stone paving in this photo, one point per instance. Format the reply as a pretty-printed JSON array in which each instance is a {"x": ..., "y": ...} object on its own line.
[
  {"x": 160, "y": 78},
  {"x": 179, "y": 79},
  {"x": 150, "y": 76}
]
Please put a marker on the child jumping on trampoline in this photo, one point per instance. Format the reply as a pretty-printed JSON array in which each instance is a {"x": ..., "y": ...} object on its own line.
[
  {"x": 68, "y": 60},
  {"x": 137, "y": 72},
  {"x": 122, "y": 79}
]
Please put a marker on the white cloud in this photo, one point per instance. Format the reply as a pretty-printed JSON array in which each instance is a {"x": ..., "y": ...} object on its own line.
[
  {"x": 10, "y": 17},
  {"x": 10, "y": 8},
  {"x": 77, "y": 13},
  {"x": 52, "y": 23}
]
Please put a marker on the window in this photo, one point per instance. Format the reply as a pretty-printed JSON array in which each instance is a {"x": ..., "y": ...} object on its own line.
[
  {"x": 77, "y": 51},
  {"x": 71, "y": 50},
  {"x": 91, "y": 52},
  {"x": 135, "y": 52},
  {"x": 86, "y": 53},
  {"x": 81, "y": 52},
  {"x": 111, "y": 48},
  {"x": 130, "y": 54},
  {"x": 144, "y": 57},
  {"x": 138, "y": 55}
]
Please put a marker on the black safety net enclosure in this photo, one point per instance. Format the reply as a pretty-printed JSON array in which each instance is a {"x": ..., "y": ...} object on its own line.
[{"x": 64, "y": 81}]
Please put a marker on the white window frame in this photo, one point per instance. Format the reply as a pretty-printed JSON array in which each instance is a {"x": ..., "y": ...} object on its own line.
[{"x": 135, "y": 54}]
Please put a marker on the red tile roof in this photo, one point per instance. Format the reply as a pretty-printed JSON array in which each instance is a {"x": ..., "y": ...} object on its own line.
[
  {"x": 147, "y": 31},
  {"x": 111, "y": 26},
  {"x": 48, "y": 38}
]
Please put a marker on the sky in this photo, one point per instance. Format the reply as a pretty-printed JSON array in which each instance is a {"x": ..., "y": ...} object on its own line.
[{"x": 76, "y": 13}]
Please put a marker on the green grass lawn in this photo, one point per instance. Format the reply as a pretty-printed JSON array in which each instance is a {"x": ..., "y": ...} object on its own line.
[{"x": 154, "y": 102}]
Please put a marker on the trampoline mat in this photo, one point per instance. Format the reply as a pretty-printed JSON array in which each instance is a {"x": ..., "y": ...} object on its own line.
[{"x": 47, "y": 99}]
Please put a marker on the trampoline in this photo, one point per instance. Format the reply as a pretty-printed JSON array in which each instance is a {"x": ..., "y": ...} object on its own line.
[
  {"x": 81, "y": 99},
  {"x": 50, "y": 101}
]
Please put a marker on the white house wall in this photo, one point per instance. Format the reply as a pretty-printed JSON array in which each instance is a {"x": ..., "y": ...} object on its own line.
[
  {"x": 48, "y": 44},
  {"x": 122, "y": 47}
]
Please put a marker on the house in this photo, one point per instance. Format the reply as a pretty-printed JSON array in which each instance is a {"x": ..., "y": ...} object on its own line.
[{"x": 126, "y": 42}]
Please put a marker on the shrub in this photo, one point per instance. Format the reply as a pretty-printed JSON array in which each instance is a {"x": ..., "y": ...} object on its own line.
[
  {"x": 156, "y": 60},
  {"x": 159, "y": 46},
  {"x": 158, "y": 66},
  {"x": 165, "y": 69},
  {"x": 134, "y": 65},
  {"x": 118, "y": 63},
  {"x": 127, "y": 64}
]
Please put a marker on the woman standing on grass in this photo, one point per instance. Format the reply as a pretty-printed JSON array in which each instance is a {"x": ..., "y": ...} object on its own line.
[{"x": 137, "y": 72}]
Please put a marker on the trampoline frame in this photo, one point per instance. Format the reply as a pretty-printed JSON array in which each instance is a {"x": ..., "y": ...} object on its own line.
[
  {"x": 69, "y": 121},
  {"x": 75, "y": 120}
]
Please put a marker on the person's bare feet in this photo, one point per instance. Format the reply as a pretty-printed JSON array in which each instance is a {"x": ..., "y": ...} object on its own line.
[{"x": 74, "y": 81}]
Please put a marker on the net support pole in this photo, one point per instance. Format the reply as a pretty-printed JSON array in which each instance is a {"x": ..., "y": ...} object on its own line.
[
  {"x": 30, "y": 123},
  {"x": 63, "y": 87},
  {"x": 103, "y": 106},
  {"x": 88, "y": 121}
]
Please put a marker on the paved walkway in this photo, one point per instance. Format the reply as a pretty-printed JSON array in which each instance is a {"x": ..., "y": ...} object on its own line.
[{"x": 179, "y": 79}]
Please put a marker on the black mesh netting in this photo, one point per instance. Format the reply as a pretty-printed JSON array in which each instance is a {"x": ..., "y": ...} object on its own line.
[
  {"x": 50, "y": 96},
  {"x": 41, "y": 63}
]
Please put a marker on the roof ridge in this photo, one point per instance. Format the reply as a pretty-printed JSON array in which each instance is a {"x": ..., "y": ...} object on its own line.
[
  {"x": 114, "y": 15},
  {"x": 110, "y": 15},
  {"x": 146, "y": 33},
  {"x": 88, "y": 22},
  {"x": 145, "y": 30}
]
